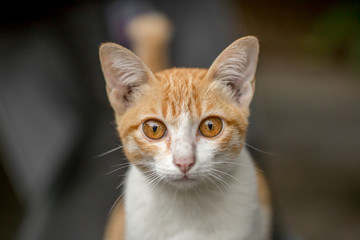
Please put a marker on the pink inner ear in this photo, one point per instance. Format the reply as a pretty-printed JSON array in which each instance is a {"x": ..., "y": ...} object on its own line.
[
  {"x": 116, "y": 100},
  {"x": 246, "y": 94}
]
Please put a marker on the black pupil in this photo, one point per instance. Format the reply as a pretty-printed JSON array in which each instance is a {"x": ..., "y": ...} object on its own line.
[
  {"x": 154, "y": 128},
  {"x": 210, "y": 125}
]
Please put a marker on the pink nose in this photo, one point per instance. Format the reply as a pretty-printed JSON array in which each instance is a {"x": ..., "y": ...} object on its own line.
[{"x": 184, "y": 163}]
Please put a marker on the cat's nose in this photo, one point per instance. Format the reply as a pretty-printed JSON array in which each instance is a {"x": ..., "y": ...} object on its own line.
[{"x": 184, "y": 163}]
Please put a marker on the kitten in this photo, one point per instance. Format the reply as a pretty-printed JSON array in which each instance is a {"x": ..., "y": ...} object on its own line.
[{"x": 183, "y": 131}]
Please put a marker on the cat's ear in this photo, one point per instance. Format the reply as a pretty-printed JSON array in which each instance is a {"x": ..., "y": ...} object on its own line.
[
  {"x": 235, "y": 69},
  {"x": 124, "y": 73}
]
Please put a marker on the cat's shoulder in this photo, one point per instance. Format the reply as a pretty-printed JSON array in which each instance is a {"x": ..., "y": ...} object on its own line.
[
  {"x": 115, "y": 228},
  {"x": 263, "y": 189}
]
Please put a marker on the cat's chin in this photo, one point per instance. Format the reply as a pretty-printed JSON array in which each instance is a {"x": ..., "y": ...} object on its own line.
[{"x": 183, "y": 182}]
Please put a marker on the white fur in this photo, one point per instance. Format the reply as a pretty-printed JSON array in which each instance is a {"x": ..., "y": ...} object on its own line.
[{"x": 204, "y": 212}]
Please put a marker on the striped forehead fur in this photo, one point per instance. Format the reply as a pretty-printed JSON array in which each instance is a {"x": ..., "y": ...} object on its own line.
[{"x": 180, "y": 89}]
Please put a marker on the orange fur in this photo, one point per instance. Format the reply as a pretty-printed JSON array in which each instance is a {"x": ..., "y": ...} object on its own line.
[
  {"x": 263, "y": 189},
  {"x": 264, "y": 196},
  {"x": 115, "y": 228},
  {"x": 181, "y": 90}
]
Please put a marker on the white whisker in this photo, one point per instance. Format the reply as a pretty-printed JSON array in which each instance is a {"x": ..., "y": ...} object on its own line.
[
  {"x": 229, "y": 175},
  {"x": 259, "y": 150},
  {"x": 115, "y": 203},
  {"x": 110, "y": 151},
  {"x": 239, "y": 164},
  {"x": 218, "y": 177},
  {"x": 209, "y": 178},
  {"x": 115, "y": 170},
  {"x": 121, "y": 164}
]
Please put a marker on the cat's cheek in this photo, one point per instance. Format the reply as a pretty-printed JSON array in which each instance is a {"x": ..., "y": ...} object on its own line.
[
  {"x": 132, "y": 152},
  {"x": 137, "y": 149},
  {"x": 231, "y": 141},
  {"x": 236, "y": 143},
  {"x": 164, "y": 166}
]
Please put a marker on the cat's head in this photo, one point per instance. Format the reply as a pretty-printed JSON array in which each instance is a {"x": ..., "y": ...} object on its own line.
[{"x": 182, "y": 126}]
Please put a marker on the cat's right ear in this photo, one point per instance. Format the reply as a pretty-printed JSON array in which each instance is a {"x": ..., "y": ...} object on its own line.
[{"x": 124, "y": 73}]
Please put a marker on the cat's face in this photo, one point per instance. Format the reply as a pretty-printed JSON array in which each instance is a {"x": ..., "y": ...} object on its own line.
[{"x": 182, "y": 126}]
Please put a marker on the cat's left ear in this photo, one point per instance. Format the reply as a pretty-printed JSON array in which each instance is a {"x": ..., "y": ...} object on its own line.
[
  {"x": 124, "y": 73},
  {"x": 235, "y": 69}
]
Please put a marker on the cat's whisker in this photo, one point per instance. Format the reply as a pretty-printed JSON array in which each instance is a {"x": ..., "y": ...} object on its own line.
[
  {"x": 211, "y": 180},
  {"x": 174, "y": 197},
  {"x": 152, "y": 176},
  {"x": 215, "y": 178},
  {"x": 239, "y": 164},
  {"x": 233, "y": 163},
  {"x": 196, "y": 193},
  {"x": 115, "y": 170},
  {"x": 108, "y": 152},
  {"x": 155, "y": 182},
  {"x": 125, "y": 191},
  {"x": 219, "y": 178},
  {"x": 121, "y": 164},
  {"x": 148, "y": 171},
  {"x": 121, "y": 184},
  {"x": 120, "y": 197},
  {"x": 144, "y": 164},
  {"x": 229, "y": 175},
  {"x": 115, "y": 203},
  {"x": 257, "y": 149}
]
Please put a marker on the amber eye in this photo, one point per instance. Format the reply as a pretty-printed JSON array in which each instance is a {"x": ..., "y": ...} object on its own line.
[
  {"x": 154, "y": 129},
  {"x": 210, "y": 127}
]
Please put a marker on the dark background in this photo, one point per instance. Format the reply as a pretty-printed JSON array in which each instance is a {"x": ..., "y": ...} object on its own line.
[{"x": 307, "y": 95}]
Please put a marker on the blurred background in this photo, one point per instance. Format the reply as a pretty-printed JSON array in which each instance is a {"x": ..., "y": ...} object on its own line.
[{"x": 55, "y": 119}]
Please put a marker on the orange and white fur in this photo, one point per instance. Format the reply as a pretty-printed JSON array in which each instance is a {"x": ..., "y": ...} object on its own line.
[{"x": 183, "y": 131}]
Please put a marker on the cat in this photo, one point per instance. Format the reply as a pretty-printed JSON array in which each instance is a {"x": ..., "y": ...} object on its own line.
[{"x": 183, "y": 131}]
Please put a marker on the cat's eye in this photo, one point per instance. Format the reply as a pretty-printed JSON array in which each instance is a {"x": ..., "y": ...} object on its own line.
[
  {"x": 210, "y": 127},
  {"x": 154, "y": 129}
]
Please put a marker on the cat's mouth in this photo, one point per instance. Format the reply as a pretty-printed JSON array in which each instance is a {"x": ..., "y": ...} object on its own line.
[
  {"x": 184, "y": 178},
  {"x": 184, "y": 181}
]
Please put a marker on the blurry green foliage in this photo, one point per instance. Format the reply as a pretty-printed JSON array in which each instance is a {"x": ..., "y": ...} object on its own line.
[{"x": 336, "y": 33}]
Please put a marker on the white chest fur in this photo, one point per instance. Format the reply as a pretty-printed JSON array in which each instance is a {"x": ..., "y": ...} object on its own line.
[{"x": 162, "y": 213}]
